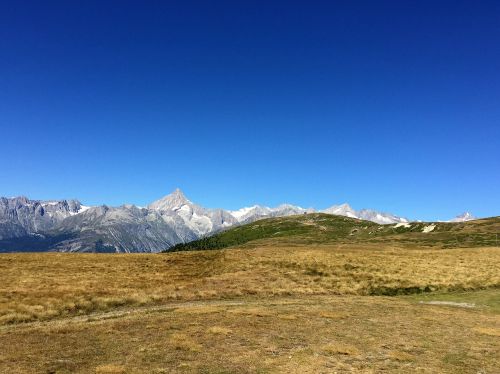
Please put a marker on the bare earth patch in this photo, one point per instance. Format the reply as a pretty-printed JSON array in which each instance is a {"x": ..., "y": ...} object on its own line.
[{"x": 449, "y": 303}]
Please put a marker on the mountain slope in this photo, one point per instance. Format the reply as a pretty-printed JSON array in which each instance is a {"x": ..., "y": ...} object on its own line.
[
  {"x": 121, "y": 229},
  {"x": 321, "y": 228}
]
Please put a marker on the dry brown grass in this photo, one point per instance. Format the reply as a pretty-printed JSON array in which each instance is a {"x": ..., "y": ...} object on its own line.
[
  {"x": 488, "y": 331},
  {"x": 47, "y": 286},
  {"x": 261, "y": 310},
  {"x": 332, "y": 315},
  {"x": 183, "y": 342},
  {"x": 110, "y": 369},
  {"x": 401, "y": 356},
  {"x": 218, "y": 330},
  {"x": 378, "y": 334},
  {"x": 341, "y": 349}
]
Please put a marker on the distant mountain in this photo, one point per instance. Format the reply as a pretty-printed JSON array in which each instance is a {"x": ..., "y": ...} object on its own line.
[
  {"x": 463, "y": 217},
  {"x": 20, "y": 216},
  {"x": 69, "y": 226},
  {"x": 366, "y": 214},
  {"x": 250, "y": 214},
  {"x": 341, "y": 210},
  {"x": 120, "y": 229},
  {"x": 200, "y": 220}
]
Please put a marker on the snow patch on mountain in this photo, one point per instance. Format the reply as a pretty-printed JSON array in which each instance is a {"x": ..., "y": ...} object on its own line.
[
  {"x": 200, "y": 220},
  {"x": 402, "y": 224},
  {"x": 464, "y": 217},
  {"x": 341, "y": 210},
  {"x": 238, "y": 214},
  {"x": 365, "y": 214},
  {"x": 174, "y": 201},
  {"x": 428, "y": 228},
  {"x": 249, "y": 214}
]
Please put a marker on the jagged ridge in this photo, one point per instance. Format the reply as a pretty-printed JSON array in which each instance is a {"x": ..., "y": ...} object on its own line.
[{"x": 69, "y": 226}]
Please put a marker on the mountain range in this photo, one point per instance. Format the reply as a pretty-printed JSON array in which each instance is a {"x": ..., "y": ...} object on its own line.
[{"x": 69, "y": 226}]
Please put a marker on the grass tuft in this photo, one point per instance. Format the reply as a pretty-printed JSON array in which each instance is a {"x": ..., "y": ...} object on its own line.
[
  {"x": 341, "y": 349},
  {"x": 110, "y": 369}
]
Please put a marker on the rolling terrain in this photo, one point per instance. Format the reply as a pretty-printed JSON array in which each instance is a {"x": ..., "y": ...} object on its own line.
[
  {"x": 313, "y": 293},
  {"x": 318, "y": 228}
]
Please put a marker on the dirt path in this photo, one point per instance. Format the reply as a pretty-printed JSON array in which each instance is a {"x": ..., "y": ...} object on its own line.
[
  {"x": 131, "y": 311},
  {"x": 117, "y": 313}
]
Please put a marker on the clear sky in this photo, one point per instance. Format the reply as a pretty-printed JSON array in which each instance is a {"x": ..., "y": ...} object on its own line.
[{"x": 391, "y": 105}]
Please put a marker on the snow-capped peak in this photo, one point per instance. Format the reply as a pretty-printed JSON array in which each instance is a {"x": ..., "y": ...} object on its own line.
[
  {"x": 173, "y": 201},
  {"x": 366, "y": 214},
  {"x": 238, "y": 214},
  {"x": 463, "y": 217},
  {"x": 341, "y": 210}
]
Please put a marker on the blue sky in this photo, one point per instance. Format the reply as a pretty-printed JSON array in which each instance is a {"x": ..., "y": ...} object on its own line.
[{"x": 391, "y": 105}]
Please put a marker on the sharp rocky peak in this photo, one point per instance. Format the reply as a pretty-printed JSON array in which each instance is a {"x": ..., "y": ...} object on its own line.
[{"x": 172, "y": 201}]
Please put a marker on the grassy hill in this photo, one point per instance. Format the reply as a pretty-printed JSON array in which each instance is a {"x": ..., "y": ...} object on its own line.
[{"x": 321, "y": 228}]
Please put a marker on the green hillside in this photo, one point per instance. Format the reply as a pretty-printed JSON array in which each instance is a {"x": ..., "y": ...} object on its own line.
[{"x": 321, "y": 228}]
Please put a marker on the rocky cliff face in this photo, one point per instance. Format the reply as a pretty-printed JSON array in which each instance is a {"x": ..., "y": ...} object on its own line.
[
  {"x": 120, "y": 229},
  {"x": 20, "y": 216},
  {"x": 67, "y": 226}
]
